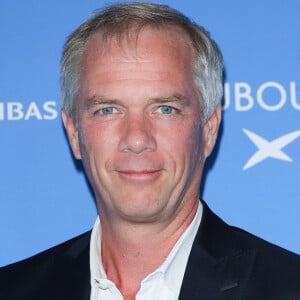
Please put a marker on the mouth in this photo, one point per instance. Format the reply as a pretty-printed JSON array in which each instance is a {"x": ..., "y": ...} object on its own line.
[{"x": 139, "y": 175}]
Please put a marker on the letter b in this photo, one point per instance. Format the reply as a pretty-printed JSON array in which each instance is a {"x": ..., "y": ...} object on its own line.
[
  {"x": 15, "y": 111},
  {"x": 242, "y": 91}
]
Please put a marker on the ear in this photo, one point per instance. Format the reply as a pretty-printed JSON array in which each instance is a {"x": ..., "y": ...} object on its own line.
[
  {"x": 210, "y": 131},
  {"x": 72, "y": 133}
]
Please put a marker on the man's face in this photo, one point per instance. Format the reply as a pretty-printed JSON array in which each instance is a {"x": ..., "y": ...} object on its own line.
[{"x": 138, "y": 133}]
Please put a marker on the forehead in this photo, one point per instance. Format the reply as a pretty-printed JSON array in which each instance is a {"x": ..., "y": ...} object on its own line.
[
  {"x": 168, "y": 44},
  {"x": 148, "y": 63}
]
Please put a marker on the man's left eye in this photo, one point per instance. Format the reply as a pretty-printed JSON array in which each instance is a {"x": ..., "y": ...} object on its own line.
[
  {"x": 107, "y": 110},
  {"x": 166, "y": 110}
]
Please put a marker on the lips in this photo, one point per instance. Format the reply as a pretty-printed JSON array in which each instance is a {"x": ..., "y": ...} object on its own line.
[{"x": 139, "y": 175}]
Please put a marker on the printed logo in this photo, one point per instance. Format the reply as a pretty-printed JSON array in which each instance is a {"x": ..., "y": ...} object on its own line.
[
  {"x": 269, "y": 96},
  {"x": 269, "y": 149},
  {"x": 18, "y": 111}
]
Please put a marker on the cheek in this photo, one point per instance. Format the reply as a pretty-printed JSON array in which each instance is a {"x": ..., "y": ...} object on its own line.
[
  {"x": 187, "y": 136},
  {"x": 183, "y": 144},
  {"x": 194, "y": 146},
  {"x": 196, "y": 138},
  {"x": 94, "y": 143}
]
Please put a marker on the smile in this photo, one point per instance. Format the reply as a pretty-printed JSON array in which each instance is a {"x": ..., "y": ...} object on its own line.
[{"x": 139, "y": 175}]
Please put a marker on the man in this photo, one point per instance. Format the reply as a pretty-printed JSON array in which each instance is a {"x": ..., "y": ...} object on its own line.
[{"x": 141, "y": 89}]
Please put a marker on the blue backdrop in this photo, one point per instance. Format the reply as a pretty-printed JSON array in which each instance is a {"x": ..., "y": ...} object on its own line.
[{"x": 254, "y": 181}]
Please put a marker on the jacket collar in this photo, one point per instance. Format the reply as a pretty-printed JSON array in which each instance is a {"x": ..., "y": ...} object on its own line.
[
  {"x": 219, "y": 264},
  {"x": 71, "y": 279}
]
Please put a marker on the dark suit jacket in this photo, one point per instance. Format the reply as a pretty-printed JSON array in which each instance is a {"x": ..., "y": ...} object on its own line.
[{"x": 225, "y": 263}]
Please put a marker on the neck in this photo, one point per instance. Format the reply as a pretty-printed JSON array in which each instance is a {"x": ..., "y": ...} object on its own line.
[{"x": 131, "y": 251}]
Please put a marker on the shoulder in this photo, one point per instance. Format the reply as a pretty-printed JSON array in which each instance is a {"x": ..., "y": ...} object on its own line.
[
  {"x": 40, "y": 271},
  {"x": 270, "y": 257},
  {"x": 270, "y": 266},
  {"x": 227, "y": 239},
  {"x": 70, "y": 248},
  {"x": 275, "y": 272}
]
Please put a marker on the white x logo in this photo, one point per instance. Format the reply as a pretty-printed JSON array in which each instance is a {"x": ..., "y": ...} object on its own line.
[{"x": 268, "y": 149}]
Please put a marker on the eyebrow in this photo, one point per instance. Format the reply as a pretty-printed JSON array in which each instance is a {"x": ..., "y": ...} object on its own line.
[
  {"x": 172, "y": 98},
  {"x": 97, "y": 100}
]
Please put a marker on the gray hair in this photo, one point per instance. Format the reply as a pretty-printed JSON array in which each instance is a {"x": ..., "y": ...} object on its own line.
[{"x": 119, "y": 19}]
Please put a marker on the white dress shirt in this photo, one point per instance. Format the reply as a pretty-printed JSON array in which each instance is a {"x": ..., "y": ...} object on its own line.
[{"x": 163, "y": 283}]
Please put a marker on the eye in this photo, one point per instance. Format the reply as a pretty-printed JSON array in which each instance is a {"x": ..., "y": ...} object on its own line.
[
  {"x": 166, "y": 109},
  {"x": 107, "y": 110}
]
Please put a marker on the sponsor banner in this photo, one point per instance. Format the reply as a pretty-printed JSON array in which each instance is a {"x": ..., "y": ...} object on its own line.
[
  {"x": 251, "y": 179},
  {"x": 18, "y": 111},
  {"x": 269, "y": 96}
]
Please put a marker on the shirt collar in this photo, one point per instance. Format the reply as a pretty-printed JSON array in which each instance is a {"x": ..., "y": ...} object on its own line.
[
  {"x": 96, "y": 266},
  {"x": 172, "y": 268}
]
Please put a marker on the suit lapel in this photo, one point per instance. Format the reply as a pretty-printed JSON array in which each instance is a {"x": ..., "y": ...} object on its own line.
[
  {"x": 72, "y": 272},
  {"x": 219, "y": 266}
]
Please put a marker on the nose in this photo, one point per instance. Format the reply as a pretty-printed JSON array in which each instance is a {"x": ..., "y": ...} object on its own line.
[{"x": 137, "y": 134}]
